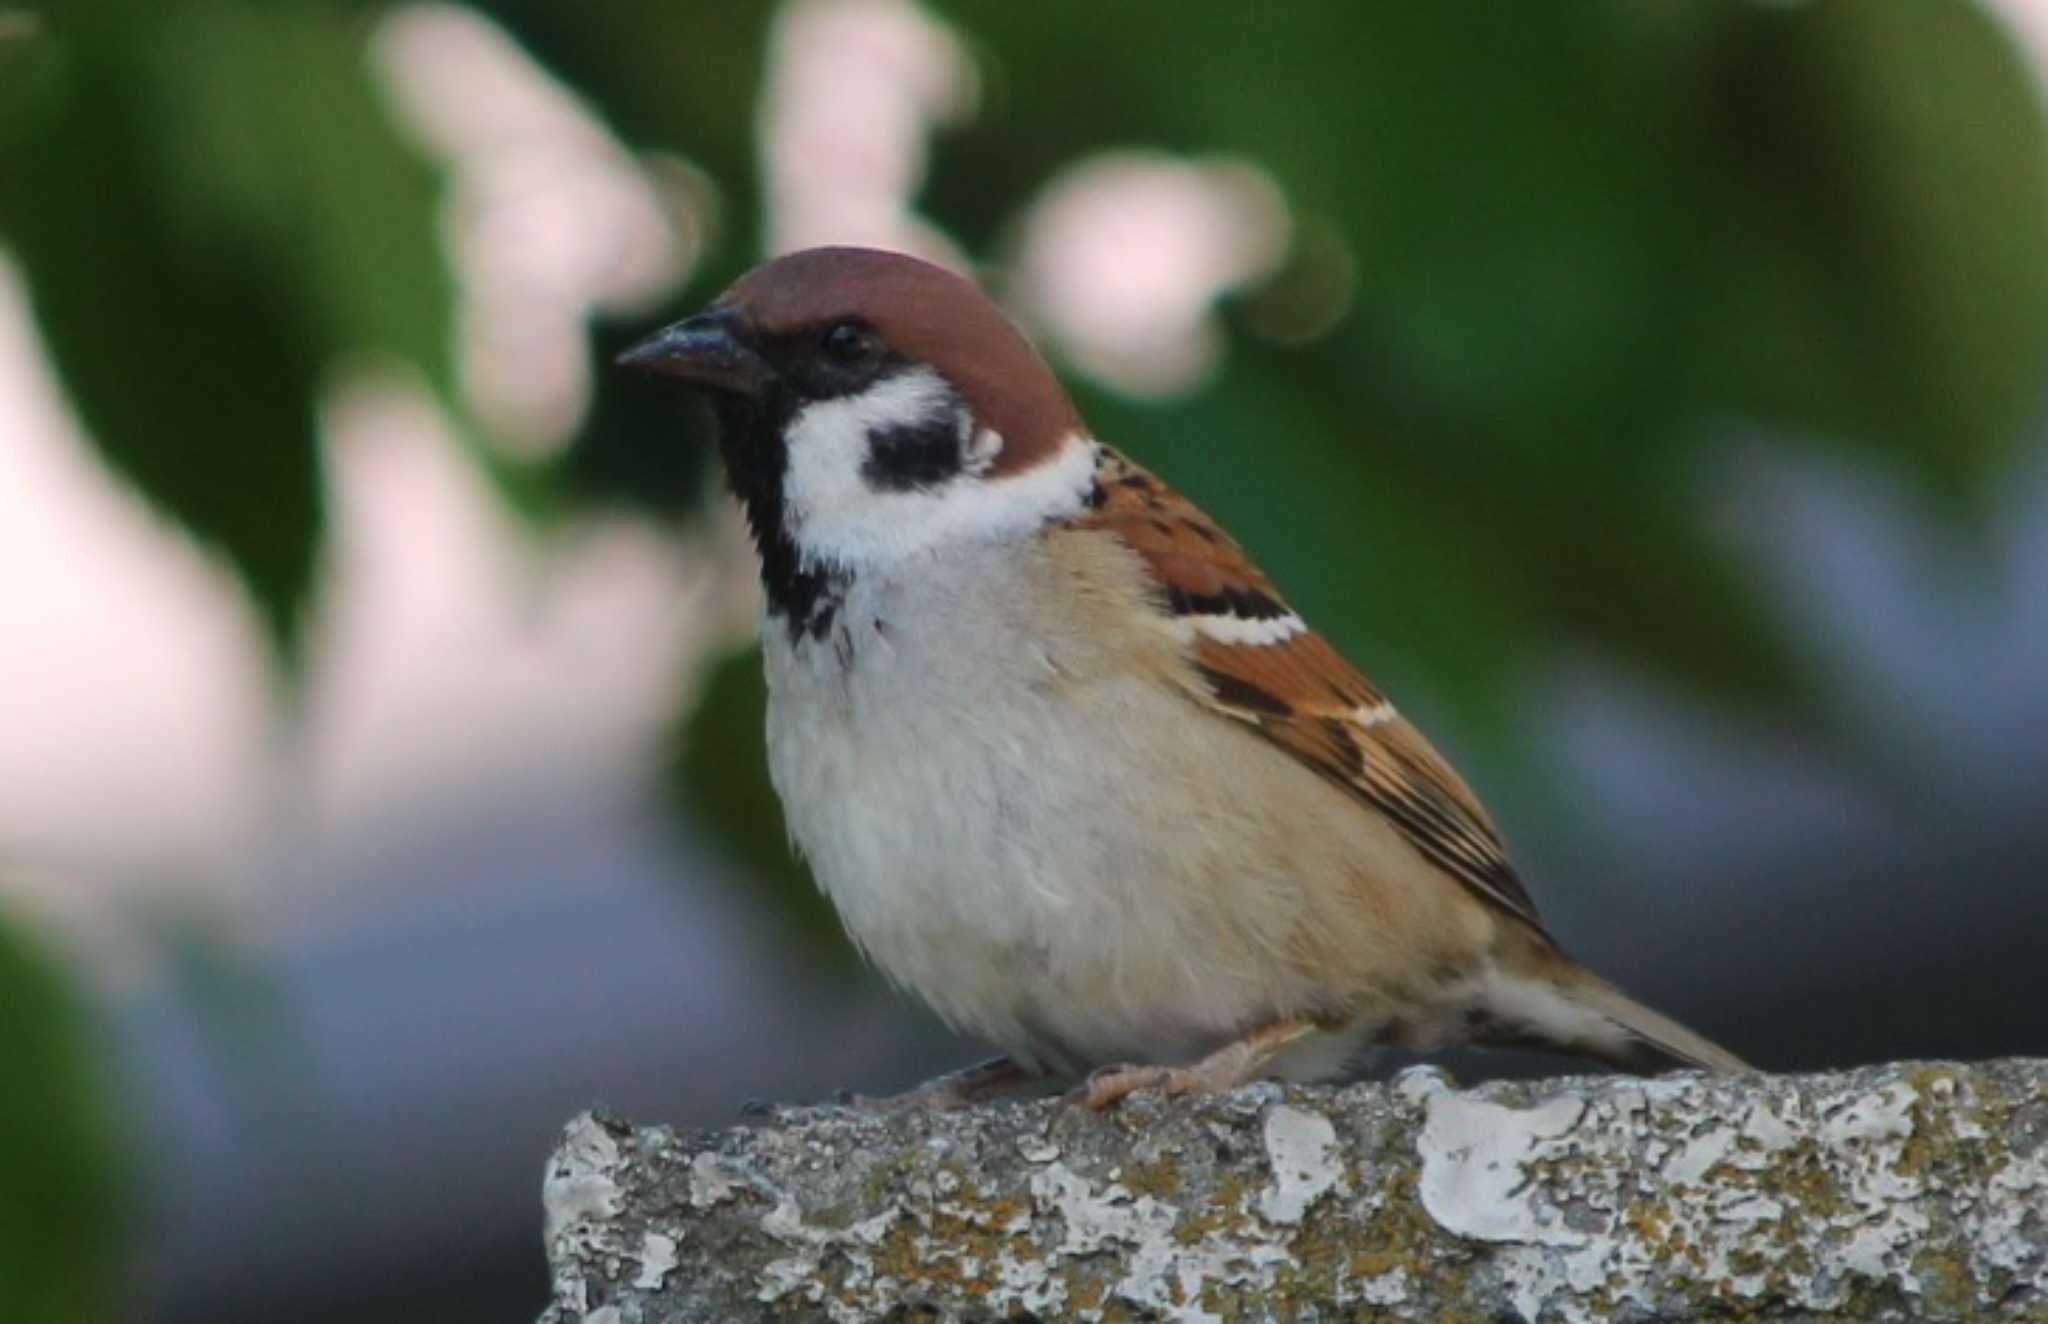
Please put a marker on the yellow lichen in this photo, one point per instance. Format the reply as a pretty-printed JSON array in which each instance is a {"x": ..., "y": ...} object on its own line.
[{"x": 1161, "y": 1179}]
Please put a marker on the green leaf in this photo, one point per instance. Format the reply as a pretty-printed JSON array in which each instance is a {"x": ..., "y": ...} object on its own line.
[
  {"x": 62, "y": 1207},
  {"x": 1881, "y": 264},
  {"x": 272, "y": 129},
  {"x": 1585, "y": 233},
  {"x": 179, "y": 342},
  {"x": 678, "y": 78},
  {"x": 26, "y": 57},
  {"x": 666, "y": 78},
  {"x": 212, "y": 207}
]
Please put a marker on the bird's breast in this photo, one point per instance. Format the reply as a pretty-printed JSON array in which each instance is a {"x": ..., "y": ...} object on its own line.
[
  {"x": 1037, "y": 832},
  {"x": 923, "y": 749}
]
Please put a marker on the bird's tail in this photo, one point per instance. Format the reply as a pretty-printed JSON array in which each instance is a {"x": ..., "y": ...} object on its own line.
[{"x": 1553, "y": 1002}]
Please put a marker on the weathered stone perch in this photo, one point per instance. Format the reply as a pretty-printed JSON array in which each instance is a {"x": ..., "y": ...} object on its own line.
[{"x": 1891, "y": 1193}]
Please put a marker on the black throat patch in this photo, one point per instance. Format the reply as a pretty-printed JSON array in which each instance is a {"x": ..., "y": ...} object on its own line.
[
  {"x": 750, "y": 442},
  {"x": 753, "y": 441}
]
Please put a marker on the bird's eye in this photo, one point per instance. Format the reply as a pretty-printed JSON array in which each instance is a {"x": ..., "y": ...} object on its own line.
[{"x": 849, "y": 342}]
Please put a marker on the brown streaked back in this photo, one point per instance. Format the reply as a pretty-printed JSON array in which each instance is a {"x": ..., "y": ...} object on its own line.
[{"x": 1299, "y": 692}]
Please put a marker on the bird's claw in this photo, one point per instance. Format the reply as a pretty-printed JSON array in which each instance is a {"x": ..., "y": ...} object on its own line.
[{"x": 1108, "y": 1086}]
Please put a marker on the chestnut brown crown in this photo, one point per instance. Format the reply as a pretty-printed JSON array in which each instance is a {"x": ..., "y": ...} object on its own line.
[{"x": 919, "y": 312}]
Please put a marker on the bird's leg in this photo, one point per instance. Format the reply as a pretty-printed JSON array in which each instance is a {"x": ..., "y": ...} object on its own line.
[
  {"x": 1228, "y": 1067},
  {"x": 958, "y": 1089}
]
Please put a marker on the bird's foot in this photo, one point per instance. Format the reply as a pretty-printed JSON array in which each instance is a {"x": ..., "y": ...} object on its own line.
[
  {"x": 954, "y": 1090},
  {"x": 1223, "y": 1070},
  {"x": 1111, "y": 1085},
  {"x": 1234, "y": 1064}
]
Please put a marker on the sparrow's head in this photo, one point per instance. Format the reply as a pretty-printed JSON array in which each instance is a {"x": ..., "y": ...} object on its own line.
[{"x": 872, "y": 407}]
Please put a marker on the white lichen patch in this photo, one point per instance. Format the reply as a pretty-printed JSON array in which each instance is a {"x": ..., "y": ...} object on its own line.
[
  {"x": 1646, "y": 1197},
  {"x": 1891, "y": 1193},
  {"x": 579, "y": 1196},
  {"x": 1306, "y": 1159},
  {"x": 2009, "y": 1219},
  {"x": 657, "y": 1257},
  {"x": 580, "y": 1185},
  {"x": 1391, "y": 1288},
  {"x": 1109, "y": 1218},
  {"x": 813, "y": 1244},
  {"x": 948, "y": 1224},
  {"x": 1417, "y": 1083},
  {"x": 711, "y": 1182},
  {"x": 1164, "y": 1273},
  {"x": 1474, "y": 1159},
  {"x": 1885, "y": 1223}
]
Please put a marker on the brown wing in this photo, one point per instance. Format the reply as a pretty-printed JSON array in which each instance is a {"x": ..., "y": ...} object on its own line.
[{"x": 1254, "y": 660}]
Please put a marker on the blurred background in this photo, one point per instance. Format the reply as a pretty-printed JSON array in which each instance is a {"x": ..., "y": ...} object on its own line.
[{"x": 1649, "y": 394}]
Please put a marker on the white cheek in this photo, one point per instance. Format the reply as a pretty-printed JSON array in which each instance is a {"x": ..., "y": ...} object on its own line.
[
  {"x": 982, "y": 449},
  {"x": 823, "y": 491},
  {"x": 836, "y": 516}
]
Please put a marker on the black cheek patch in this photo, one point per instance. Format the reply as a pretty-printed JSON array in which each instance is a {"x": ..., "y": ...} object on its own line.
[{"x": 903, "y": 458}]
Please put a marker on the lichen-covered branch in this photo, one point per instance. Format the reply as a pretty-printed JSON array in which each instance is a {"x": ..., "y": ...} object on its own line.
[{"x": 1898, "y": 1192}]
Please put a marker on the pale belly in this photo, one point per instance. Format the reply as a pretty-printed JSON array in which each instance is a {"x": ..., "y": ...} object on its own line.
[{"x": 1006, "y": 836}]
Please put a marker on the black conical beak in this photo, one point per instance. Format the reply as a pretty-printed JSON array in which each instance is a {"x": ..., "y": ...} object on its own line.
[{"x": 705, "y": 350}]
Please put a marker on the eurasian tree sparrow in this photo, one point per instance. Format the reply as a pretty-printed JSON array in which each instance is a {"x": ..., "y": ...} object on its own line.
[{"x": 1065, "y": 761}]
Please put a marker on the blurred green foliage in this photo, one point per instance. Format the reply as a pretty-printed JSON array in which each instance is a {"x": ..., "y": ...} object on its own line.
[
  {"x": 682, "y": 79},
  {"x": 1586, "y": 234},
  {"x": 1590, "y": 239},
  {"x": 62, "y": 1206},
  {"x": 1583, "y": 234},
  {"x": 211, "y": 207}
]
